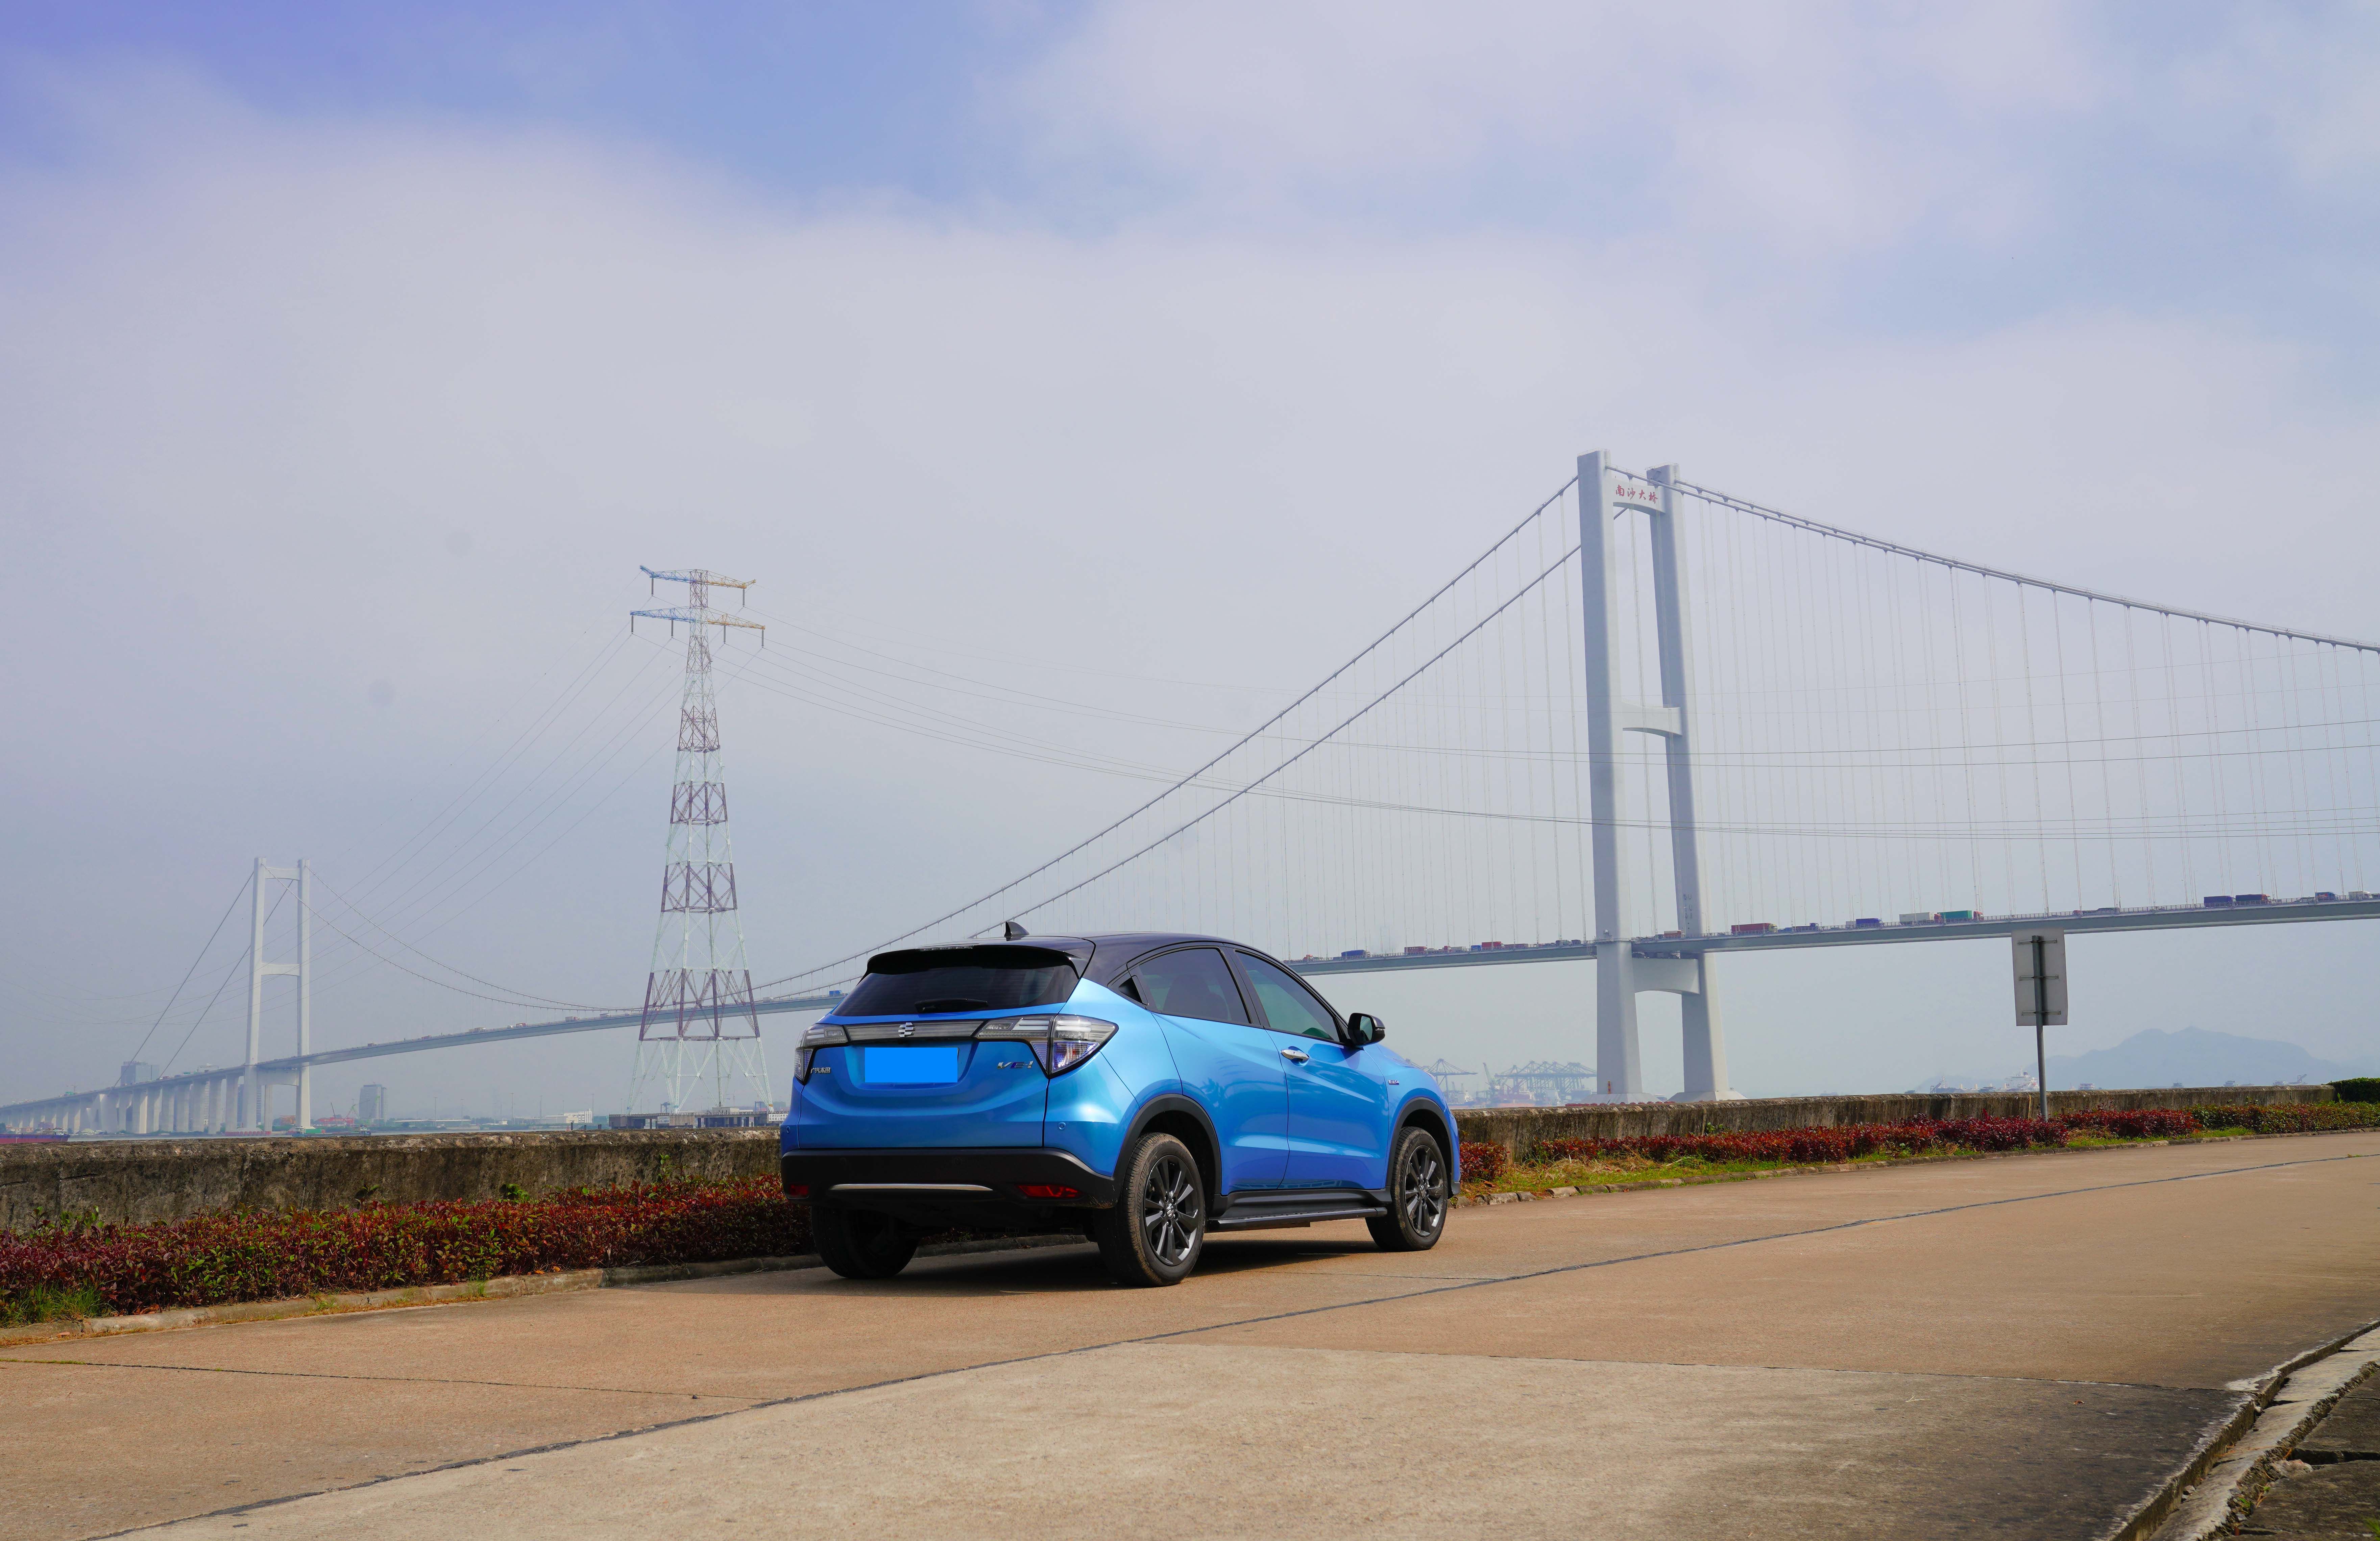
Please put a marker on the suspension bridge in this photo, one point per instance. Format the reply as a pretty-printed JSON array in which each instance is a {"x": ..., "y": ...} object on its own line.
[{"x": 1652, "y": 725}]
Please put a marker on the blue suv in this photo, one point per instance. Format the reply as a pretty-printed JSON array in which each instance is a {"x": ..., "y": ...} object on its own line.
[{"x": 1152, "y": 1088}]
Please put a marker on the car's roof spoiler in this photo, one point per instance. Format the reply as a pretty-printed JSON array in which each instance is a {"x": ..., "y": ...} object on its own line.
[{"x": 1049, "y": 953}]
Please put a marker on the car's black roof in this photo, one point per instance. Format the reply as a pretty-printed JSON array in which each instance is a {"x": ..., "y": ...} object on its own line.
[
  {"x": 1102, "y": 956},
  {"x": 1117, "y": 950}
]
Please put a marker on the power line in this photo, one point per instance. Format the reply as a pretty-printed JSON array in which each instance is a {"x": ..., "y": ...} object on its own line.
[{"x": 523, "y": 998}]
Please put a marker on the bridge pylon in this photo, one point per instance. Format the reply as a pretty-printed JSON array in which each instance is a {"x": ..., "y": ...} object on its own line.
[
  {"x": 1620, "y": 974},
  {"x": 254, "y": 1096}
]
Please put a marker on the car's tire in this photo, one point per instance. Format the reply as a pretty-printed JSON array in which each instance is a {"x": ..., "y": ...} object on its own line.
[
  {"x": 1417, "y": 1194},
  {"x": 1158, "y": 1227},
  {"x": 861, "y": 1243}
]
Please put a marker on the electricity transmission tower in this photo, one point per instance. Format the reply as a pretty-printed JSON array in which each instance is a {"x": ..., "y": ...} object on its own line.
[{"x": 698, "y": 1026}]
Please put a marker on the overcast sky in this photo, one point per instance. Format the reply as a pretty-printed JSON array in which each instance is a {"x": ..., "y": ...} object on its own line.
[{"x": 1150, "y": 356}]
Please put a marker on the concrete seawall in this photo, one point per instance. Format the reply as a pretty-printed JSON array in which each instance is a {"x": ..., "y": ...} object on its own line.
[{"x": 134, "y": 1182}]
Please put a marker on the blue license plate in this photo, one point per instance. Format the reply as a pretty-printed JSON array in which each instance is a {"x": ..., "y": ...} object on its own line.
[{"x": 934, "y": 1064}]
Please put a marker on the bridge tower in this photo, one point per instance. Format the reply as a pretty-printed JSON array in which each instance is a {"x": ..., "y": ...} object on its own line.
[
  {"x": 698, "y": 1028},
  {"x": 254, "y": 1098},
  {"x": 1620, "y": 972}
]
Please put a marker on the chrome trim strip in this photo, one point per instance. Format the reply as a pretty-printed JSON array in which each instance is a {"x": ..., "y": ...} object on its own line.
[
  {"x": 910, "y": 1031},
  {"x": 909, "y": 1188}
]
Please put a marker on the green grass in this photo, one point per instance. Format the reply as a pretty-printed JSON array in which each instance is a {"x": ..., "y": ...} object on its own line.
[
  {"x": 1611, "y": 1169},
  {"x": 46, "y": 1303}
]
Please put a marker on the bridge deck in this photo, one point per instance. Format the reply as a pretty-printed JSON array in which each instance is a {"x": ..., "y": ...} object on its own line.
[
  {"x": 2170, "y": 918},
  {"x": 2167, "y": 919}
]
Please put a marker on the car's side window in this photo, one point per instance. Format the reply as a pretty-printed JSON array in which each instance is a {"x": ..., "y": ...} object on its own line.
[
  {"x": 1193, "y": 982},
  {"x": 1288, "y": 1007}
]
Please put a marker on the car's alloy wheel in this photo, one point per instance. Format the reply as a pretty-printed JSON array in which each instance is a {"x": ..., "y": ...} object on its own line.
[
  {"x": 1417, "y": 1195},
  {"x": 1158, "y": 1227},
  {"x": 1421, "y": 1189},
  {"x": 1170, "y": 1214}
]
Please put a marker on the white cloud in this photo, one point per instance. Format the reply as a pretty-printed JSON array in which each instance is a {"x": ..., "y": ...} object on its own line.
[
  {"x": 2306, "y": 79},
  {"x": 1825, "y": 127}
]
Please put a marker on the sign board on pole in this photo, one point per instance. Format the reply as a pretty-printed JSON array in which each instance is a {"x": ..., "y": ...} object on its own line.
[{"x": 2040, "y": 979}]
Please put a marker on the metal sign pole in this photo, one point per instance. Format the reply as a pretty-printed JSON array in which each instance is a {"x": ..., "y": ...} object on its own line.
[
  {"x": 2041, "y": 1023},
  {"x": 2040, "y": 996}
]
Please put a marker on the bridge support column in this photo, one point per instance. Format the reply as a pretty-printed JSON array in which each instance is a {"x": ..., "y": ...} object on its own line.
[
  {"x": 1619, "y": 973},
  {"x": 248, "y": 1089},
  {"x": 1618, "y": 1062},
  {"x": 1706, "y": 1046},
  {"x": 255, "y": 1104},
  {"x": 1619, "y": 1052},
  {"x": 305, "y": 972}
]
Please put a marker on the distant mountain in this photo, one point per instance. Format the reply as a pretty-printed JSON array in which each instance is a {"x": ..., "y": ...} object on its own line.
[{"x": 2194, "y": 1057}]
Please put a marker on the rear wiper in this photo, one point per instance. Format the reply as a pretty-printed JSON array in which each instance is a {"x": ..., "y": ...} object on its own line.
[{"x": 957, "y": 1003}]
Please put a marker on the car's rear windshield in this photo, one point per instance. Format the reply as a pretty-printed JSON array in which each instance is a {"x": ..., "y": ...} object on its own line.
[{"x": 927, "y": 980}]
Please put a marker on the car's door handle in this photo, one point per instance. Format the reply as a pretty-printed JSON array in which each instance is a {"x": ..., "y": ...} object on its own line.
[{"x": 1298, "y": 1054}]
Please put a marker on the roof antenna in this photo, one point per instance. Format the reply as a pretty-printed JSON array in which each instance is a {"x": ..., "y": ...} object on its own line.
[{"x": 1010, "y": 931}]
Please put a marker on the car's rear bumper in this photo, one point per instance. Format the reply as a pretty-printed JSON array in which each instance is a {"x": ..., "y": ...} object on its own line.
[{"x": 941, "y": 1181}]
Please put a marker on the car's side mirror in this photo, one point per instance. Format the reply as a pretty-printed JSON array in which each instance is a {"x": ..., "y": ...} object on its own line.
[{"x": 1362, "y": 1028}]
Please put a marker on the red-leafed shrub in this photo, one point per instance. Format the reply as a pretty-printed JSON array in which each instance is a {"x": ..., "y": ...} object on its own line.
[
  {"x": 2133, "y": 1124},
  {"x": 271, "y": 1255},
  {"x": 2291, "y": 1118},
  {"x": 1485, "y": 1161},
  {"x": 1817, "y": 1144},
  {"x": 2002, "y": 1134},
  {"x": 1820, "y": 1145}
]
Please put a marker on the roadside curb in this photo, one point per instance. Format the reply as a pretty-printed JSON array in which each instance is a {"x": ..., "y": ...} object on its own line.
[
  {"x": 1518, "y": 1195},
  {"x": 503, "y": 1287},
  {"x": 2208, "y": 1497}
]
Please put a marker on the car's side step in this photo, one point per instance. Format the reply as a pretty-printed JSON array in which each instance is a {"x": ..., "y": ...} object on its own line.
[{"x": 1270, "y": 1217}]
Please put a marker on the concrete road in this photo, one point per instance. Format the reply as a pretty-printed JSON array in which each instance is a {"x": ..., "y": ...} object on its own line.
[{"x": 2019, "y": 1347}]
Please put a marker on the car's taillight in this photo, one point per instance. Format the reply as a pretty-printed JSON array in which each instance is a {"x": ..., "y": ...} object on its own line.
[
  {"x": 1060, "y": 1043},
  {"x": 797, "y": 1190},
  {"x": 1046, "y": 1190},
  {"x": 822, "y": 1035},
  {"x": 1074, "y": 1039}
]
